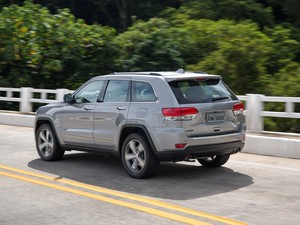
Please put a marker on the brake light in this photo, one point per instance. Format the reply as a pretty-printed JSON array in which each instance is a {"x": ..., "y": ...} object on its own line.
[
  {"x": 238, "y": 108},
  {"x": 180, "y": 113}
]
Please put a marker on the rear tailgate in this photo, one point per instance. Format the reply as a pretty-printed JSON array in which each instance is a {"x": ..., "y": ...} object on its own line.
[
  {"x": 214, "y": 102},
  {"x": 212, "y": 119}
]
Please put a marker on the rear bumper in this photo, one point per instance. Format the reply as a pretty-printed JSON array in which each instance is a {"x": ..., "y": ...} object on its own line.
[{"x": 201, "y": 151}]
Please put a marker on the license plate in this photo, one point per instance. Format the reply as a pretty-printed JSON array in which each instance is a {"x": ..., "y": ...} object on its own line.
[{"x": 215, "y": 117}]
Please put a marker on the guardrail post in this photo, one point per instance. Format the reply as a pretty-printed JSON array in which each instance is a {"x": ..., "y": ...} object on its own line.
[
  {"x": 254, "y": 107},
  {"x": 60, "y": 93},
  {"x": 25, "y": 103},
  {"x": 289, "y": 107}
]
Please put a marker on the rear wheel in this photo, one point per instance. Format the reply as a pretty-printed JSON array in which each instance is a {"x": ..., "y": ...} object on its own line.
[
  {"x": 47, "y": 145},
  {"x": 214, "y": 161},
  {"x": 138, "y": 158}
]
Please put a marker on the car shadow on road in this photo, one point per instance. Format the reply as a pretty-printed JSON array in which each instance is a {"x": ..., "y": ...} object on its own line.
[{"x": 173, "y": 180}]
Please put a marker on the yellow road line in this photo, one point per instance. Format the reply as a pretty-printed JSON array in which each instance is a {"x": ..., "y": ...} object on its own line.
[
  {"x": 27, "y": 172},
  {"x": 142, "y": 208},
  {"x": 130, "y": 196}
]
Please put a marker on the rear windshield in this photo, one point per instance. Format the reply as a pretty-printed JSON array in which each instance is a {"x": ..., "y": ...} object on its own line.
[{"x": 201, "y": 91}]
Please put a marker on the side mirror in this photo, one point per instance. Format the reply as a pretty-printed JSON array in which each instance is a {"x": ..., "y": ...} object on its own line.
[{"x": 68, "y": 98}]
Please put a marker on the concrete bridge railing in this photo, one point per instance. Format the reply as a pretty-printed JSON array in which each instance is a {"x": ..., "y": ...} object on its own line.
[
  {"x": 27, "y": 95},
  {"x": 255, "y": 111},
  {"x": 258, "y": 141},
  {"x": 254, "y": 103}
]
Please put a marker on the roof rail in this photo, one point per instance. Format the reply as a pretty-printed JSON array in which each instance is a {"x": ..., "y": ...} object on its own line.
[
  {"x": 136, "y": 73},
  {"x": 180, "y": 71},
  {"x": 203, "y": 72}
]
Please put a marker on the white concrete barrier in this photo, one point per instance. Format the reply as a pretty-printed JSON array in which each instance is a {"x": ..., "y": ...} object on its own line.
[
  {"x": 286, "y": 145},
  {"x": 266, "y": 143},
  {"x": 17, "y": 119}
]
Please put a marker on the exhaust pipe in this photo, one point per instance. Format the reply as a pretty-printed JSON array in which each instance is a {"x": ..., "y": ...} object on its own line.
[{"x": 189, "y": 158}]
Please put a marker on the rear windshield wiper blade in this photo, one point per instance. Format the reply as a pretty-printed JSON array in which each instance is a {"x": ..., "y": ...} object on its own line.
[{"x": 219, "y": 98}]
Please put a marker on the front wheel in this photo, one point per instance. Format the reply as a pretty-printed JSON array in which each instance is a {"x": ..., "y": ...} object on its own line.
[
  {"x": 47, "y": 145},
  {"x": 214, "y": 161},
  {"x": 138, "y": 158}
]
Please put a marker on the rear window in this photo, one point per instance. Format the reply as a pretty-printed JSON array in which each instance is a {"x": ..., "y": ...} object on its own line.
[{"x": 201, "y": 91}]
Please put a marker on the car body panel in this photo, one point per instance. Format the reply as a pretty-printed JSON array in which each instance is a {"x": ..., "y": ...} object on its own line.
[
  {"x": 109, "y": 117},
  {"x": 78, "y": 124}
]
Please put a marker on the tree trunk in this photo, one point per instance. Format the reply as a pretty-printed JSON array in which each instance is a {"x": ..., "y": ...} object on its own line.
[{"x": 122, "y": 6}]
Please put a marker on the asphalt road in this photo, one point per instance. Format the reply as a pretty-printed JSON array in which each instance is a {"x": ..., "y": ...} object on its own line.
[{"x": 94, "y": 189}]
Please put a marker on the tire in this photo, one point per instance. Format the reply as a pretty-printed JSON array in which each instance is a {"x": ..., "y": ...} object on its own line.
[
  {"x": 214, "y": 161},
  {"x": 138, "y": 158},
  {"x": 47, "y": 144}
]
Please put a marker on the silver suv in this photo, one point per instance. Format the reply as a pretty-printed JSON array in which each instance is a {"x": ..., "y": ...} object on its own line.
[{"x": 145, "y": 118}]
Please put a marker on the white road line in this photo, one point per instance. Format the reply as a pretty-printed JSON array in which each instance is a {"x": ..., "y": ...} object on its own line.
[{"x": 266, "y": 165}]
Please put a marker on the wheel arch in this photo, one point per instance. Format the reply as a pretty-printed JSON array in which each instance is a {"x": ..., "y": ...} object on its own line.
[
  {"x": 134, "y": 128},
  {"x": 45, "y": 120}
]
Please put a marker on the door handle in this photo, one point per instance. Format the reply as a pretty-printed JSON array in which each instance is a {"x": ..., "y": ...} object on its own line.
[
  {"x": 121, "y": 108},
  {"x": 87, "y": 108}
]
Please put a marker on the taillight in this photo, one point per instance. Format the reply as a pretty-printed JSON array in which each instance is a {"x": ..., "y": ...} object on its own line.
[
  {"x": 180, "y": 113},
  {"x": 238, "y": 108}
]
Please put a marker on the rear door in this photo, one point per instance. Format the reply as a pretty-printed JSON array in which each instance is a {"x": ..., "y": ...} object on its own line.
[
  {"x": 111, "y": 113},
  {"x": 214, "y": 102}
]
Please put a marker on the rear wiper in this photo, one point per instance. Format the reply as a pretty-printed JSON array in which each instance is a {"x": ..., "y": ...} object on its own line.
[{"x": 219, "y": 98}]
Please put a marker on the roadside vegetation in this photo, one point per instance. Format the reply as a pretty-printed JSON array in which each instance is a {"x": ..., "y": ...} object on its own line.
[{"x": 253, "y": 44}]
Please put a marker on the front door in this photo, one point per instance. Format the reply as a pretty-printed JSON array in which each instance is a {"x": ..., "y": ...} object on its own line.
[{"x": 77, "y": 117}]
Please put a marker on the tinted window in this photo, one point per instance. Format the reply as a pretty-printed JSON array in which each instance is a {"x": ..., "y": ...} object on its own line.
[
  {"x": 90, "y": 92},
  {"x": 117, "y": 91},
  {"x": 197, "y": 91},
  {"x": 142, "y": 92}
]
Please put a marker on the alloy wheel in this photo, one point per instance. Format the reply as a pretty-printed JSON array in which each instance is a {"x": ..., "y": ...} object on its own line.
[
  {"x": 45, "y": 142},
  {"x": 135, "y": 156}
]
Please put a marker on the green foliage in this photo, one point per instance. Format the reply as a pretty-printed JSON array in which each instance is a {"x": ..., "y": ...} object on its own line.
[
  {"x": 114, "y": 13},
  {"x": 286, "y": 81},
  {"x": 237, "y": 10},
  {"x": 43, "y": 50},
  {"x": 285, "y": 48},
  {"x": 248, "y": 58},
  {"x": 240, "y": 54},
  {"x": 285, "y": 11},
  {"x": 253, "y": 44},
  {"x": 149, "y": 46},
  {"x": 247, "y": 55}
]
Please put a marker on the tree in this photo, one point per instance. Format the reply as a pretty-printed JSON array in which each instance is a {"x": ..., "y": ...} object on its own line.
[
  {"x": 285, "y": 48},
  {"x": 149, "y": 46},
  {"x": 115, "y": 13},
  {"x": 43, "y": 50},
  {"x": 237, "y": 51},
  {"x": 237, "y": 10},
  {"x": 284, "y": 11}
]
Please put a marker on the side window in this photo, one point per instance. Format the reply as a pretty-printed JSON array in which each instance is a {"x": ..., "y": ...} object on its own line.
[
  {"x": 142, "y": 92},
  {"x": 90, "y": 92},
  {"x": 117, "y": 91}
]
